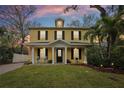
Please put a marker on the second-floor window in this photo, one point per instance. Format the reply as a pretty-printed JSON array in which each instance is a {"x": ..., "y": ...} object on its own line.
[
  {"x": 76, "y": 35},
  {"x": 59, "y": 35},
  {"x": 42, "y": 35}
]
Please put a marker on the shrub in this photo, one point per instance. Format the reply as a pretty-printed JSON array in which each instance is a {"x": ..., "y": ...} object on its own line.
[
  {"x": 18, "y": 50},
  {"x": 49, "y": 61},
  {"x": 6, "y": 55},
  {"x": 93, "y": 56},
  {"x": 118, "y": 57},
  {"x": 28, "y": 62},
  {"x": 68, "y": 61}
]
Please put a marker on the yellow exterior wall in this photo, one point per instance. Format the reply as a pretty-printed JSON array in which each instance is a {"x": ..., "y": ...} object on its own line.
[
  {"x": 35, "y": 55},
  {"x": 49, "y": 53},
  {"x": 34, "y": 35},
  {"x": 34, "y": 38}
]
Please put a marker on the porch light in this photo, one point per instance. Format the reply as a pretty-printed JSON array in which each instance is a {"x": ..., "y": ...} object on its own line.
[{"x": 101, "y": 65}]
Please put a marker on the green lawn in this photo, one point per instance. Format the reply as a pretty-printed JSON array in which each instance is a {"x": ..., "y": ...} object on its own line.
[{"x": 59, "y": 76}]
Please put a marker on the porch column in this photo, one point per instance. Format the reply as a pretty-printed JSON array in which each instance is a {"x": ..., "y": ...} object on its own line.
[
  {"x": 85, "y": 56},
  {"x": 52, "y": 55},
  {"x": 65, "y": 55},
  {"x": 32, "y": 55}
]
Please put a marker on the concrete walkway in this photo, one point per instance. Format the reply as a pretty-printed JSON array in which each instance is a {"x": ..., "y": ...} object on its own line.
[{"x": 10, "y": 67}]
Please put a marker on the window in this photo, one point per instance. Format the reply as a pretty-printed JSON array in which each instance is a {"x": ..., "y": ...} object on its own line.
[
  {"x": 59, "y": 34},
  {"x": 76, "y": 53},
  {"x": 42, "y": 53},
  {"x": 59, "y": 23},
  {"x": 59, "y": 53},
  {"x": 76, "y": 35},
  {"x": 42, "y": 35}
]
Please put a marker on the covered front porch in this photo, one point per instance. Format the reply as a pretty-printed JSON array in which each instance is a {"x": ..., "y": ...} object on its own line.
[
  {"x": 58, "y": 52},
  {"x": 57, "y": 55}
]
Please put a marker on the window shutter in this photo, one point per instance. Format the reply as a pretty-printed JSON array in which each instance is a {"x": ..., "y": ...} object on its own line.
[
  {"x": 80, "y": 53},
  {"x": 38, "y": 35},
  {"x": 46, "y": 52},
  {"x": 38, "y": 52},
  {"x": 55, "y": 35},
  {"x": 72, "y": 36},
  {"x": 46, "y": 35},
  {"x": 72, "y": 53},
  {"x": 63, "y": 35},
  {"x": 79, "y": 35}
]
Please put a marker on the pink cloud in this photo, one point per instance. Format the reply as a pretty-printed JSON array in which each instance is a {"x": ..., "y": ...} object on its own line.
[{"x": 47, "y": 10}]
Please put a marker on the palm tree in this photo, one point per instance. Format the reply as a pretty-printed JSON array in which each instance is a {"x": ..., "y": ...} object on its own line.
[{"x": 110, "y": 26}]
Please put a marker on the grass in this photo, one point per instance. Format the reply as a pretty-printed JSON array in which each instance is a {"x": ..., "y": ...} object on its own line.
[{"x": 59, "y": 76}]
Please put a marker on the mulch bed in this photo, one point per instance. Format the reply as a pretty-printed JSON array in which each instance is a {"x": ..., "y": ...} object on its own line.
[{"x": 103, "y": 69}]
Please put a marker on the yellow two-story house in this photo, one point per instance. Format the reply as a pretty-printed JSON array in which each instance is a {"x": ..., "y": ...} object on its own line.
[{"x": 58, "y": 44}]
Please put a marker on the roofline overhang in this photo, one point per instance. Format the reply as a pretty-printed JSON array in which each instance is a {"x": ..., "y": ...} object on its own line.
[
  {"x": 56, "y": 28},
  {"x": 72, "y": 45}
]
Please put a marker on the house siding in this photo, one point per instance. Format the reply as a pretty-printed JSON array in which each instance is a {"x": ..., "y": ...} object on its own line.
[{"x": 34, "y": 35}]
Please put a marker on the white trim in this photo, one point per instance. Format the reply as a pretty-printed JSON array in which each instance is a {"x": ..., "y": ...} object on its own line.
[
  {"x": 52, "y": 55},
  {"x": 85, "y": 56},
  {"x": 59, "y": 40},
  {"x": 32, "y": 55},
  {"x": 65, "y": 55}
]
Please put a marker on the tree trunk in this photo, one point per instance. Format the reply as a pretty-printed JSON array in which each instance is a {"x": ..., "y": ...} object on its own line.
[
  {"x": 22, "y": 46},
  {"x": 109, "y": 47},
  {"x": 101, "y": 53}
]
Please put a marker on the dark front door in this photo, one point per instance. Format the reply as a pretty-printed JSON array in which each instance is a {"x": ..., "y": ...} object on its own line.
[{"x": 59, "y": 55}]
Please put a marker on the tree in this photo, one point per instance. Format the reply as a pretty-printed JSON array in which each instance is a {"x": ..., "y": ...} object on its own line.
[
  {"x": 6, "y": 52},
  {"x": 111, "y": 26},
  {"x": 89, "y": 20},
  {"x": 74, "y": 23},
  {"x": 16, "y": 17}
]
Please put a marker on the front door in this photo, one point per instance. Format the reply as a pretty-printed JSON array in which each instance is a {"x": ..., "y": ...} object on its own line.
[{"x": 59, "y": 55}]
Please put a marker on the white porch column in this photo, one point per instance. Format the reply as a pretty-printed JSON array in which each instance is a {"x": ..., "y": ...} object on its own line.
[
  {"x": 85, "y": 56},
  {"x": 52, "y": 55},
  {"x": 65, "y": 55},
  {"x": 32, "y": 55}
]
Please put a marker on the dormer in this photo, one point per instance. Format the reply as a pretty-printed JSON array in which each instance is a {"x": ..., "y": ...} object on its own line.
[{"x": 59, "y": 23}]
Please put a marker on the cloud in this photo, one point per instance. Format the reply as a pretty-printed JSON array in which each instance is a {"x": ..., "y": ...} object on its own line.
[
  {"x": 44, "y": 10},
  {"x": 51, "y": 10}
]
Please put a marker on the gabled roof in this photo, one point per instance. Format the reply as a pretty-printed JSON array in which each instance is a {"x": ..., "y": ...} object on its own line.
[{"x": 59, "y": 41}]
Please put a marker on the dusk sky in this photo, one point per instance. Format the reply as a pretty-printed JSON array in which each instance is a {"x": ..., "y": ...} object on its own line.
[{"x": 46, "y": 14}]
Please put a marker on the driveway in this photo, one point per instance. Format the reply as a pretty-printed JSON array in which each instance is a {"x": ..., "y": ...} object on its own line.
[{"x": 10, "y": 67}]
